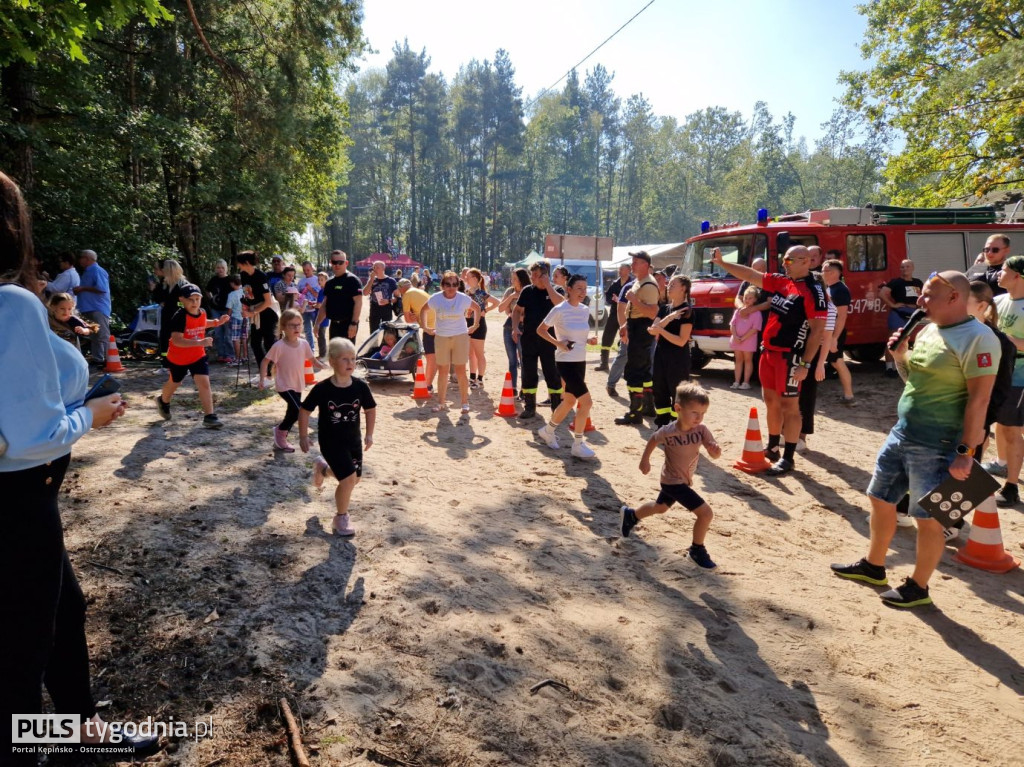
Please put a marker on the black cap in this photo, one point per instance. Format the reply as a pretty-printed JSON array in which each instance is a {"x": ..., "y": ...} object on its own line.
[
  {"x": 642, "y": 254},
  {"x": 188, "y": 290}
]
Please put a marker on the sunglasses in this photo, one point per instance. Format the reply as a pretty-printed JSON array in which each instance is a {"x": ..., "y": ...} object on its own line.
[
  {"x": 990, "y": 250},
  {"x": 791, "y": 259},
  {"x": 449, "y": 284},
  {"x": 338, "y": 263},
  {"x": 940, "y": 278}
]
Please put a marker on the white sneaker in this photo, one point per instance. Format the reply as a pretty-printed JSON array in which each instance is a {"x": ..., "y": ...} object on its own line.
[
  {"x": 547, "y": 434},
  {"x": 580, "y": 449},
  {"x": 744, "y": 386},
  {"x": 951, "y": 533},
  {"x": 904, "y": 520},
  {"x": 735, "y": 385},
  {"x": 801, "y": 446}
]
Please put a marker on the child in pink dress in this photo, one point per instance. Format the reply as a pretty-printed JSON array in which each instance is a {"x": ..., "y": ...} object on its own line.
[
  {"x": 289, "y": 356},
  {"x": 744, "y": 340}
]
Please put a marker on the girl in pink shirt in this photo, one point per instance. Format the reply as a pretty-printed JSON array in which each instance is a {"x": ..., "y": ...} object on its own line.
[
  {"x": 289, "y": 356},
  {"x": 744, "y": 340}
]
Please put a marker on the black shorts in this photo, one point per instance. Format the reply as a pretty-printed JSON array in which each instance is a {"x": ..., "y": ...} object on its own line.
[
  {"x": 1011, "y": 412},
  {"x": 840, "y": 345},
  {"x": 197, "y": 368},
  {"x": 685, "y": 494},
  {"x": 481, "y": 332},
  {"x": 344, "y": 461},
  {"x": 428, "y": 343},
  {"x": 572, "y": 374}
]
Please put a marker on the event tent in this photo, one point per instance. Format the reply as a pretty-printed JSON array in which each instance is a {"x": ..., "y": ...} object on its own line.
[
  {"x": 401, "y": 261},
  {"x": 661, "y": 255}
]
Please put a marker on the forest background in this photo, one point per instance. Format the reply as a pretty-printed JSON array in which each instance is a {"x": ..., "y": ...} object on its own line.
[{"x": 147, "y": 129}]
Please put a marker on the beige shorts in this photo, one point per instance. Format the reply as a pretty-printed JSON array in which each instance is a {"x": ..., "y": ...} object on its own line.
[{"x": 452, "y": 350}]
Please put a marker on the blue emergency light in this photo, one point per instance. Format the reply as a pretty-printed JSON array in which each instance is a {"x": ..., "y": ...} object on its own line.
[
  {"x": 705, "y": 227},
  {"x": 762, "y": 216}
]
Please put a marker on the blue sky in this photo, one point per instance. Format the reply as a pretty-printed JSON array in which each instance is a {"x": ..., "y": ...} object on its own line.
[{"x": 683, "y": 55}]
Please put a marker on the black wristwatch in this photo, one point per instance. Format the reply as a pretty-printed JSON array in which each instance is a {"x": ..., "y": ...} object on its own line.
[
  {"x": 963, "y": 449},
  {"x": 354, "y": 324}
]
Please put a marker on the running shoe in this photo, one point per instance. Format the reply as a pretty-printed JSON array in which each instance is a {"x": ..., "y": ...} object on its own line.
[
  {"x": 547, "y": 434},
  {"x": 611, "y": 391},
  {"x": 734, "y": 385},
  {"x": 780, "y": 467},
  {"x": 772, "y": 454},
  {"x": 862, "y": 570},
  {"x": 904, "y": 520},
  {"x": 581, "y": 449},
  {"x": 848, "y": 401},
  {"x": 907, "y": 595},
  {"x": 1008, "y": 496},
  {"x": 801, "y": 445},
  {"x": 627, "y": 520},
  {"x": 951, "y": 533},
  {"x": 995, "y": 468},
  {"x": 744, "y": 386},
  {"x": 211, "y": 421},
  {"x": 699, "y": 556},
  {"x": 163, "y": 407},
  {"x": 341, "y": 526}
]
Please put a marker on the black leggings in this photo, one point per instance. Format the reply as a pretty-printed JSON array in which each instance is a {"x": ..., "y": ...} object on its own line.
[
  {"x": 542, "y": 351},
  {"x": 669, "y": 371},
  {"x": 43, "y": 641},
  {"x": 263, "y": 337},
  {"x": 291, "y": 414}
]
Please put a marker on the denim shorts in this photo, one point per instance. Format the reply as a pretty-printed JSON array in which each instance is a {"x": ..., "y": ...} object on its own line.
[{"x": 902, "y": 465}]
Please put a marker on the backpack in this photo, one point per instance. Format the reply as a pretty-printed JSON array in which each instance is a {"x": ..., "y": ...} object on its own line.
[{"x": 1004, "y": 377}]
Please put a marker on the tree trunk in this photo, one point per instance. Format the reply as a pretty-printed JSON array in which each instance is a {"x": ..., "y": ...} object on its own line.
[{"x": 18, "y": 92}]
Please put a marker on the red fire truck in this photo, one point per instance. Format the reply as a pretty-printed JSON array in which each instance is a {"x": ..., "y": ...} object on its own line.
[{"x": 871, "y": 241}]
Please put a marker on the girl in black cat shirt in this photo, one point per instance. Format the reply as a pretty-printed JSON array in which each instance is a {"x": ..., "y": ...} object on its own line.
[{"x": 340, "y": 399}]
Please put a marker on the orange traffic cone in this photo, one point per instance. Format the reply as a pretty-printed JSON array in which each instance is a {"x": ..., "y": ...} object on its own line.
[
  {"x": 507, "y": 406},
  {"x": 984, "y": 548},
  {"x": 752, "y": 461},
  {"x": 310, "y": 378},
  {"x": 589, "y": 427},
  {"x": 419, "y": 390},
  {"x": 113, "y": 358}
]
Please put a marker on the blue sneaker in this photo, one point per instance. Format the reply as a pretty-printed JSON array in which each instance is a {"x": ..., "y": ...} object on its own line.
[
  {"x": 699, "y": 555},
  {"x": 628, "y": 520}
]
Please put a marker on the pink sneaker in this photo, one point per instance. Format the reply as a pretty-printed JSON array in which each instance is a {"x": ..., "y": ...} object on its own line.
[
  {"x": 341, "y": 526},
  {"x": 281, "y": 441},
  {"x": 319, "y": 470}
]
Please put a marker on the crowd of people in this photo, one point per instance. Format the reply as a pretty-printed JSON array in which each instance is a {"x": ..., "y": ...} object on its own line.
[{"x": 964, "y": 374}]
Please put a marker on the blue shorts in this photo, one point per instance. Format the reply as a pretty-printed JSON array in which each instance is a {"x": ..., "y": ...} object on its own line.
[
  {"x": 685, "y": 494},
  {"x": 897, "y": 319},
  {"x": 903, "y": 466}
]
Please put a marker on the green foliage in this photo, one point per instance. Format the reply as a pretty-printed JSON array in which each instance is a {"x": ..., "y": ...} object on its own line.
[
  {"x": 948, "y": 75},
  {"x": 34, "y": 27},
  {"x": 171, "y": 141}
]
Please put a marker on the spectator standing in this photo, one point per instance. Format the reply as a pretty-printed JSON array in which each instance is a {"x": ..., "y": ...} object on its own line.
[
  {"x": 67, "y": 280},
  {"x": 257, "y": 306},
  {"x": 839, "y": 295},
  {"x": 174, "y": 280},
  {"x": 309, "y": 294},
  {"x": 671, "y": 334},
  {"x": 93, "y": 294},
  {"x": 452, "y": 338},
  {"x": 380, "y": 288},
  {"x": 1010, "y": 418},
  {"x": 276, "y": 273},
  {"x": 342, "y": 302},
  {"x": 217, "y": 291},
  {"x": 793, "y": 334},
  {"x": 520, "y": 279},
  {"x": 413, "y": 301},
  {"x": 611, "y": 323},
  {"x": 995, "y": 252},
  {"x": 535, "y": 303},
  {"x": 42, "y": 414},
  {"x": 949, "y": 377},
  {"x": 900, "y": 295},
  {"x": 636, "y": 314}
]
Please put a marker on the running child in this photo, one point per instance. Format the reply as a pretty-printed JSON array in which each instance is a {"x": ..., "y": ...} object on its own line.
[
  {"x": 340, "y": 399},
  {"x": 681, "y": 442},
  {"x": 186, "y": 353},
  {"x": 744, "y": 339},
  {"x": 289, "y": 356}
]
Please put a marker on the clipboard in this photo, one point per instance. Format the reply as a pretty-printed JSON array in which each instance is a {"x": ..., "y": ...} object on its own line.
[{"x": 953, "y": 499}]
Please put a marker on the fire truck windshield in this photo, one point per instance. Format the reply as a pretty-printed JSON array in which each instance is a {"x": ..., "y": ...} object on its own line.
[{"x": 736, "y": 249}]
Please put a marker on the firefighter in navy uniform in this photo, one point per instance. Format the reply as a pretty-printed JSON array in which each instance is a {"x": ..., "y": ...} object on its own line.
[{"x": 636, "y": 314}]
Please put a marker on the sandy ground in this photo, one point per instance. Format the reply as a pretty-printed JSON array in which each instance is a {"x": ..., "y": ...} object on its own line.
[{"x": 485, "y": 563}]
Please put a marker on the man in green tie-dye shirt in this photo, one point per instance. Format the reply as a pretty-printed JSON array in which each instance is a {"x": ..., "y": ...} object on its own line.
[{"x": 949, "y": 377}]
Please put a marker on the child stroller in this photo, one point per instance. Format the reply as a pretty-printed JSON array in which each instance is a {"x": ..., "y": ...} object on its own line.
[
  {"x": 401, "y": 359},
  {"x": 142, "y": 339}
]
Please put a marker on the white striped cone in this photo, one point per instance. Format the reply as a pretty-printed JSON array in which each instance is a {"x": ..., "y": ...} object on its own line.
[
  {"x": 984, "y": 548},
  {"x": 752, "y": 460}
]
